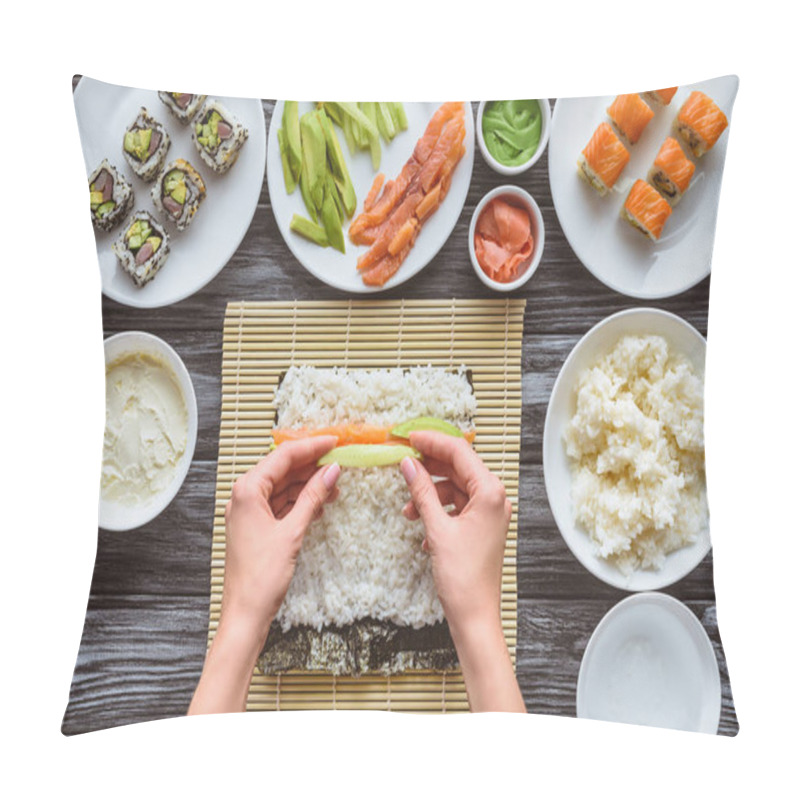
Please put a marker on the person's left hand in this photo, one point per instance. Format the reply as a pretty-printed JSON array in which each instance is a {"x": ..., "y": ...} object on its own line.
[{"x": 270, "y": 509}]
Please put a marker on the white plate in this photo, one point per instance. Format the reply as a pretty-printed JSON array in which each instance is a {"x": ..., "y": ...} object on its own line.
[
  {"x": 650, "y": 662},
  {"x": 621, "y": 257},
  {"x": 599, "y": 341},
  {"x": 339, "y": 269},
  {"x": 104, "y": 111},
  {"x": 122, "y": 517}
]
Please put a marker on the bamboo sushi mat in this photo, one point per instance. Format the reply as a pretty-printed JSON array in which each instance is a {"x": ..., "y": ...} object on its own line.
[{"x": 262, "y": 340}]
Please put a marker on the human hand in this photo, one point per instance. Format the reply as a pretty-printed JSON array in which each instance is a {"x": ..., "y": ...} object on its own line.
[
  {"x": 467, "y": 544},
  {"x": 270, "y": 509}
]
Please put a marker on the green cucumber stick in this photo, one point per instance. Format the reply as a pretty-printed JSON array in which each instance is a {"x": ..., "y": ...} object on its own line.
[{"x": 385, "y": 122}]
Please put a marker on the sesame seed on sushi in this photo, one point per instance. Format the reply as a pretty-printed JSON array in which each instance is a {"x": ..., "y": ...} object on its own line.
[
  {"x": 672, "y": 171},
  {"x": 602, "y": 160},
  {"x": 700, "y": 122},
  {"x": 630, "y": 115},
  {"x": 178, "y": 192},
  {"x": 662, "y": 97},
  {"x": 218, "y": 136},
  {"x": 145, "y": 146},
  {"x": 142, "y": 249},
  {"x": 110, "y": 196},
  {"x": 646, "y": 210},
  {"x": 182, "y": 105}
]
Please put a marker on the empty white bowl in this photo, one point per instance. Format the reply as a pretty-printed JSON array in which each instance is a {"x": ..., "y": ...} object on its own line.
[
  {"x": 503, "y": 169},
  {"x": 521, "y": 198},
  {"x": 650, "y": 662},
  {"x": 116, "y": 516}
]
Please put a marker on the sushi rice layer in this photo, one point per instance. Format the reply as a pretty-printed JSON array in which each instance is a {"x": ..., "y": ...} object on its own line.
[{"x": 363, "y": 559}]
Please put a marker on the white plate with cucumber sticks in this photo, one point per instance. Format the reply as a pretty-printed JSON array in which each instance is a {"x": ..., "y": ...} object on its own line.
[
  {"x": 197, "y": 254},
  {"x": 339, "y": 269}
]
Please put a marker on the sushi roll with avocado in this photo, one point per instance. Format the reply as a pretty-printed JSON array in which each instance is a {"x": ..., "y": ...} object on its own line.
[
  {"x": 110, "y": 196},
  {"x": 142, "y": 248},
  {"x": 218, "y": 136},
  {"x": 182, "y": 105},
  {"x": 145, "y": 146},
  {"x": 178, "y": 192}
]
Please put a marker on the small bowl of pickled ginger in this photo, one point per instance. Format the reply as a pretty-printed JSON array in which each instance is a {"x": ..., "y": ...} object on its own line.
[{"x": 506, "y": 238}]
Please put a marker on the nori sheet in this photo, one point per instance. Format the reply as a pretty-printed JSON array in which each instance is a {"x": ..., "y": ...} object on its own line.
[{"x": 366, "y": 645}]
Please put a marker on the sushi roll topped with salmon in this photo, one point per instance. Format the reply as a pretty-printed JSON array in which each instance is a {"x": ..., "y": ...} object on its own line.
[
  {"x": 701, "y": 122},
  {"x": 630, "y": 114},
  {"x": 671, "y": 171},
  {"x": 662, "y": 97},
  {"x": 602, "y": 160},
  {"x": 646, "y": 210}
]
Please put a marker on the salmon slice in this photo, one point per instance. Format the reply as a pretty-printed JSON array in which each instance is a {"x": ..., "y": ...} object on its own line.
[
  {"x": 672, "y": 171},
  {"x": 602, "y": 160},
  {"x": 630, "y": 114},
  {"x": 429, "y": 203},
  {"x": 646, "y": 210},
  {"x": 350, "y": 433},
  {"x": 388, "y": 231},
  {"x": 701, "y": 122},
  {"x": 372, "y": 195}
]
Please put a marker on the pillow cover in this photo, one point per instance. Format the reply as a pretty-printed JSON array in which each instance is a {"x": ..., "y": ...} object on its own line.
[{"x": 531, "y": 276}]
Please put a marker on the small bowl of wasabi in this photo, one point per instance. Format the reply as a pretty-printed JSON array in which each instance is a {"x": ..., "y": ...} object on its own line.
[{"x": 512, "y": 134}]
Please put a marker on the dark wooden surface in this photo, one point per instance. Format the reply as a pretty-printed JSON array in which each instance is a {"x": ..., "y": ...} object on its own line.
[{"x": 144, "y": 639}]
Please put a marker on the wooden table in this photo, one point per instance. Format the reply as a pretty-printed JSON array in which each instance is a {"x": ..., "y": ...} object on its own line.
[{"x": 144, "y": 640}]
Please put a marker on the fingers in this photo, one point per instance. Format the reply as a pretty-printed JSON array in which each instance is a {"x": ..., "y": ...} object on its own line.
[
  {"x": 283, "y": 502},
  {"x": 423, "y": 492},
  {"x": 454, "y": 455},
  {"x": 291, "y": 456},
  {"x": 313, "y": 496},
  {"x": 449, "y": 495}
]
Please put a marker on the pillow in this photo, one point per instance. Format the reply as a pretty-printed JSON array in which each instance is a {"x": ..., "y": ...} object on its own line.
[{"x": 529, "y": 276}]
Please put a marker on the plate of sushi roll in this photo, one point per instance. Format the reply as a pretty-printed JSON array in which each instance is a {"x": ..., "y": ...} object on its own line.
[
  {"x": 635, "y": 180},
  {"x": 174, "y": 180}
]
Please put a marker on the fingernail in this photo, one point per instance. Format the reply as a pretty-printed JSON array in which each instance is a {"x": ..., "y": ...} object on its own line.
[
  {"x": 408, "y": 469},
  {"x": 330, "y": 476}
]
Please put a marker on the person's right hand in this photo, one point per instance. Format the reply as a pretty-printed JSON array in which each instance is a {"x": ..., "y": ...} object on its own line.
[{"x": 468, "y": 543}]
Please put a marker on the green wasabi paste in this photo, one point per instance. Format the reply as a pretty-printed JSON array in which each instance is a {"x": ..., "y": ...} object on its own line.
[{"x": 512, "y": 130}]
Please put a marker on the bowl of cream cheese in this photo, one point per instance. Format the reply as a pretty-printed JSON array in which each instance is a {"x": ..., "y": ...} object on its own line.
[{"x": 150, "y": 429}]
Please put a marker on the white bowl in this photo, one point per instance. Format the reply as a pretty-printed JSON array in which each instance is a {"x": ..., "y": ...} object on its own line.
[
  {"x": 120, "y": 516},
  {"x": 544, "y": 105},
  {"x": 650, "y": 662},
  {"x": 537, "y": 225},
  {"x": 600, "y": 340}
]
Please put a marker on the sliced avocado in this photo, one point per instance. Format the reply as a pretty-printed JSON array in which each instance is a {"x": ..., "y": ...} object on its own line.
[
  {"x": 367, "y": 455},
  {"x": 331, "y": 221},
  {"x": 155, "y": 242},
  {"x": 288, "y": 175},
  {"x": 341, "y": 175},
  {"x": 105, "y": 208},
  {"x": 178, "y": 194},
  {"x": 291, "y": 129},
  {"x": 310, "y": 230},
  {"x": 137, "y": 142},
  {"x": 404, "y": 429},
  {"x": 314, "y": 158},
  {"x": 95, "y": 198}
]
